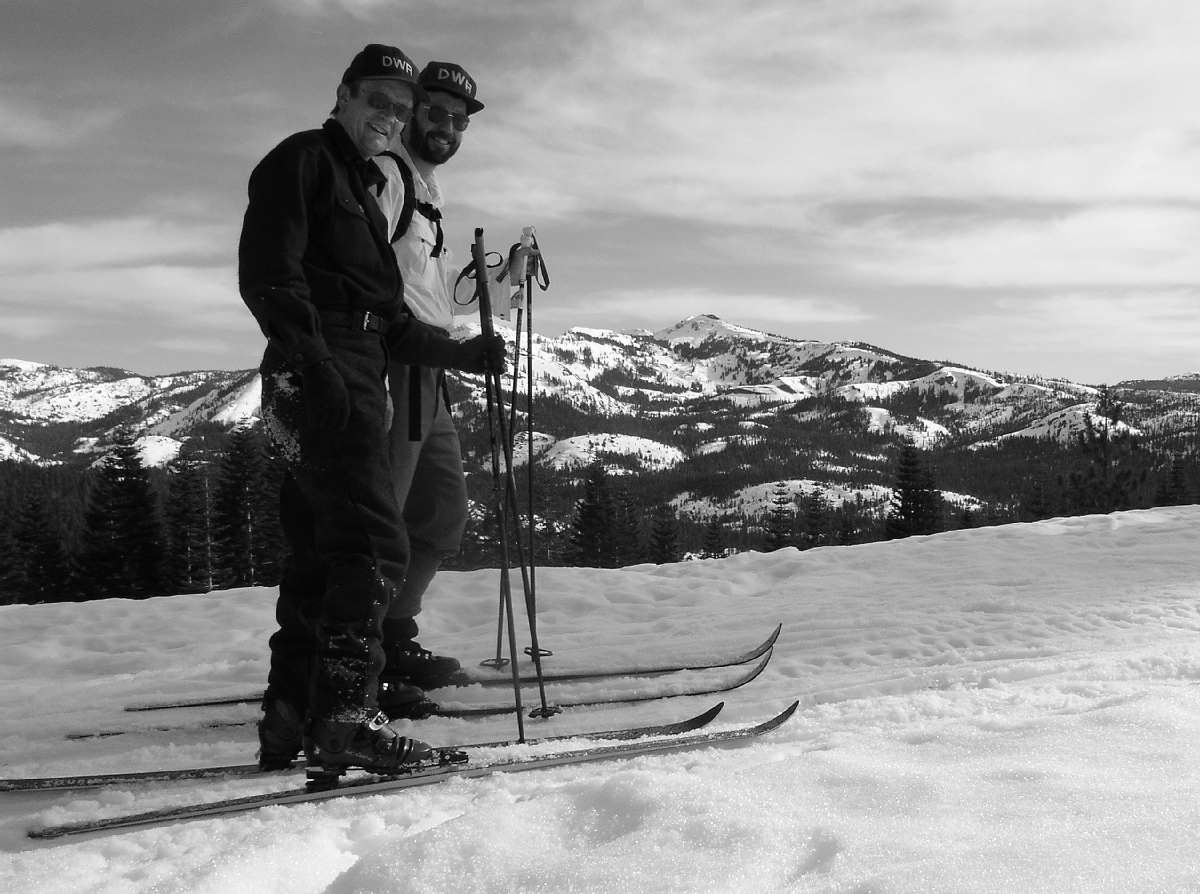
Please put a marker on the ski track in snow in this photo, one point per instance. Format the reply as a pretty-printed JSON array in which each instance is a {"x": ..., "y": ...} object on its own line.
[{"x": 998, "y": 709}]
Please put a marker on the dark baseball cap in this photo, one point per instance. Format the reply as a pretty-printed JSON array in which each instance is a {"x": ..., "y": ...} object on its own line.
[
  {"x": 453, "y": 79},
  {"x": 378, "y": 60}
]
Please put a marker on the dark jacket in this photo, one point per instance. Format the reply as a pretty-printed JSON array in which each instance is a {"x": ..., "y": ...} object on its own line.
[{"x": 314, "y": 239}]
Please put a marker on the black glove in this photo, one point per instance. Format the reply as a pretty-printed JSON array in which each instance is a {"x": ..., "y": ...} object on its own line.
[
  {"x": 481, "y": 354},
  {"x": 325, "y": 397}
]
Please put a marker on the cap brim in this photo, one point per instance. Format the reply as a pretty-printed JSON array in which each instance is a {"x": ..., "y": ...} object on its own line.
[
  {"x": 472, "y": 105},
  {"x": 419, "y": 92}
]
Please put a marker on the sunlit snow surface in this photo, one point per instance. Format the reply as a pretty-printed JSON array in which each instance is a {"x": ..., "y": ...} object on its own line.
[{"x": 1008, "y": 709}]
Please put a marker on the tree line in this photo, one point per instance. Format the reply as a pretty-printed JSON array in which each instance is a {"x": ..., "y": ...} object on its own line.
[
  {"x": 132, "y": 532},
  {"x": 209, "y": 520}
]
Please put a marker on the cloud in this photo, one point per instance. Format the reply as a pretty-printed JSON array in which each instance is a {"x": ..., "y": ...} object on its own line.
[
  {"x": 25, "y": 125},
  {"x": 76, "y": 299},
  {"x": 54, "y": 247},
  {"x": 125, "y": 287},
  {"x": 690, "y": 108},
  {"x": 845, "y": 152},
  {"x": 1089, "y": 336},
  {"x": 1133, "y": 246},
  {"x": 1166, "y": 320}
]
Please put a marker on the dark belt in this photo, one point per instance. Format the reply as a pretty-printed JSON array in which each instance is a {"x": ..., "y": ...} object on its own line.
[{"x": 353, "y": 319}]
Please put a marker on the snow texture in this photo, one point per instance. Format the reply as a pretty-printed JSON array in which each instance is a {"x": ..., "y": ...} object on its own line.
[{"x": 1006, "y": 709}]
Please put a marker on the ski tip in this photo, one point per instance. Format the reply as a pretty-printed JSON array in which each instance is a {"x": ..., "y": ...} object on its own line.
[
  {"x": 774, "y": 636},
  {"x": 786, "y": 714}
]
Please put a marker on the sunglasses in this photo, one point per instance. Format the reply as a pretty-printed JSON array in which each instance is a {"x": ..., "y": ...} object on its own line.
[
  {"x": 383, "y": 103},
  {"x": 439, "y": 115}
]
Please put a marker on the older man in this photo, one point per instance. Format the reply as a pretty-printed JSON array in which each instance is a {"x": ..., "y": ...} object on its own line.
[{"x": 317, "y": 271}]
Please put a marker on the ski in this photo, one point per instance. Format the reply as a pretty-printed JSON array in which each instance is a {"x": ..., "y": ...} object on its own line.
[
  {"x": 449, "y": 766},
  {"x": 98, "y": 780},
  {"x": 425, "y": 709},
  {"x": 489, "y": 678},
  {"x": 629, "y": 696}
]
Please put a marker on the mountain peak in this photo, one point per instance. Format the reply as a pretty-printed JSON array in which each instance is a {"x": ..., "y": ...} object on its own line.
[
  {"x": 697, "y": 329},
  {"x": 24, "y": 365}
]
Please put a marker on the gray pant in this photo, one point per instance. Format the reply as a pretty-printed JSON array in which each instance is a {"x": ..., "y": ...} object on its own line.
[{"x": 427, "y": 474}]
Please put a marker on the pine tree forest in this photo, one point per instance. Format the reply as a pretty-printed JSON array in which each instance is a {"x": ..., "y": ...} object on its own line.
[{"x": 209, "y": 519}]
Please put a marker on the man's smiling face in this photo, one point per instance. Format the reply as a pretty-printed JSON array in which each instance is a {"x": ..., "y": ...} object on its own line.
[
  {"x": 436, "y": 143},
  {"x": 375, "y": 115}
]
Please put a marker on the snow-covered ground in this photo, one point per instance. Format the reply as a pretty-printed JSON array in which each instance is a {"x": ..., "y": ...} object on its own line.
[{"x": 1006, "y": 709}]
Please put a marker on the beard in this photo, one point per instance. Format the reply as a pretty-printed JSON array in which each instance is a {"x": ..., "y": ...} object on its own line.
[{"x": 418, "y": 140}]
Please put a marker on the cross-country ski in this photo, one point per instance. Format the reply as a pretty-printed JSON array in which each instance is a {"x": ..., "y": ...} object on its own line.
[
  {"x": 464, "y": 766},
  {"x": 492, "y": 678}
]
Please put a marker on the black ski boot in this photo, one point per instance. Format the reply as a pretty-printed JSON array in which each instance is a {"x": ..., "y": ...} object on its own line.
[
  {"x": 409, "y": 663},
  {"x": 333, "y": 746},
  {"x": 279, "y": 737},
  {"x": 399, "y": 699}
]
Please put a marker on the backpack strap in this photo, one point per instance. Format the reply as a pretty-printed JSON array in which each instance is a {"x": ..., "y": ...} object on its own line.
[
  {"x": 410, "y": 196},
  {"x": 433, "y": 215}
]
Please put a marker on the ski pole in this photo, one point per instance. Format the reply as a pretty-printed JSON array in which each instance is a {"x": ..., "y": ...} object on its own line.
[
  {"x": 495, "y": 404},
  {"x": 485, "y": 322},
  {"x": 535, "y": 651},
  {"x": 533, "y": 256}
]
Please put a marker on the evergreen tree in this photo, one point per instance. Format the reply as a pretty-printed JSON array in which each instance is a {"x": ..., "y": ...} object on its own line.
[
  {"x": 1174, "y": 490},
  {"x": 663, "y": 547},
  {"x": 12, "y": 569},
  {"x": 814, "y": 520},
  {"x": 122, "y": 551},
  {"x": 189, "y": 528},
  {"x": 1109, "y": 482},
  {"x": 1036, "y": 503},
  {"x": 592, "y": 535},
  {"x": 846, "y": 532},
  {"x": 627, "y": 527},
  {"x": 44, "y": 576},
  {"x": 781, "y": 520},
  {"x": 245, "y": 530},
  {"x": 916, "y": 503},
  {"x": 714, "y": 541}
]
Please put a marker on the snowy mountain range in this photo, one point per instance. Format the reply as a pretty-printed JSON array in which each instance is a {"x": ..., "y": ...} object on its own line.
[{"x": 643, "y": 400}]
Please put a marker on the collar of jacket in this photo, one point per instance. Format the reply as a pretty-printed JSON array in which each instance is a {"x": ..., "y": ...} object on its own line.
[{"x": 367, "y": 169}]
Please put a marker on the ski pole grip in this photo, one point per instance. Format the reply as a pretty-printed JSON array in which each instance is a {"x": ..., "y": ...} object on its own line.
[{"x": 479, "y": 256}]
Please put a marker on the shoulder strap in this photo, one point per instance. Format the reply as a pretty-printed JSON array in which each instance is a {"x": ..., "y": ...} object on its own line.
[
  {"x": 434, "y": 216},
  {"x": 410, "y": 196}
]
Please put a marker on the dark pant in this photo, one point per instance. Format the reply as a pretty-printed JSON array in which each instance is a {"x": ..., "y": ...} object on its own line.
[{"x": 348, "y": 545}]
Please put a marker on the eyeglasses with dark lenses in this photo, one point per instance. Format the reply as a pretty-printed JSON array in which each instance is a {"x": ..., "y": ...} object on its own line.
[
  {"x": 439, "y": 115},
  {"x": 383, "y": 103}
]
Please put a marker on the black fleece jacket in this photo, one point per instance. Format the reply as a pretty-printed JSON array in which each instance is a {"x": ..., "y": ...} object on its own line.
[{"x": 314, "y": 239}]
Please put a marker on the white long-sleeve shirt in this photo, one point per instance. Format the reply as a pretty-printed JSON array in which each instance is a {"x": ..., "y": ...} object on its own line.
[{"x": 428, "y": 281}]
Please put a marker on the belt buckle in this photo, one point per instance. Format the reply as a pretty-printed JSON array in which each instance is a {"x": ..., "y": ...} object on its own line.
[{"x": 366, "y": 321}]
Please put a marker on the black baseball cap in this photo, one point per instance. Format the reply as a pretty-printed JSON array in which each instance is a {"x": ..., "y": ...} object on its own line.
[
  {"x": 453, "y": 79},
  {"x": 378, "y": 60}
]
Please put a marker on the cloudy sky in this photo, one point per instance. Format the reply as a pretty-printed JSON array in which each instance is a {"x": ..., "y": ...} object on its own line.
[{"x": 1008, "y": 184}]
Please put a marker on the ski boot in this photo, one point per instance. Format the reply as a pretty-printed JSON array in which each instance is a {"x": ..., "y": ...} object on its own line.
[
  {"x": 279, "y": 737},
  {"x": 408, "y": 662},
  {"x": 335, "y": 746},
  {"x": 398, "y": 699}
]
